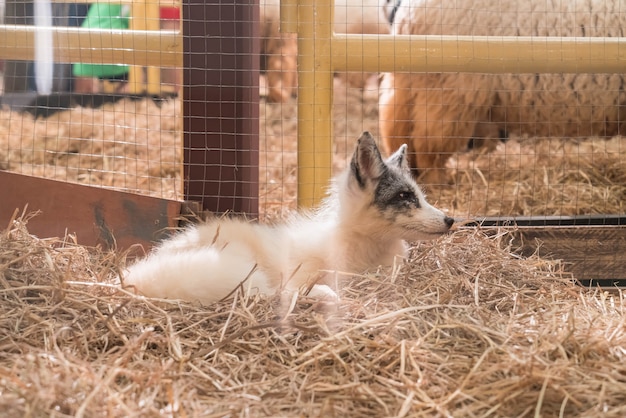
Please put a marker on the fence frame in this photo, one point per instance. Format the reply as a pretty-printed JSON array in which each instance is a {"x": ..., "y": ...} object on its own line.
[
  {"x": 321, "y": 53},
  {"x": 220, "y": 124},
  {"x": 579, "y": 241}
]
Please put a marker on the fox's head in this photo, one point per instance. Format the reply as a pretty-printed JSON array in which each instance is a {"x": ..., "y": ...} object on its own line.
[{"x": 383, "y": 196}]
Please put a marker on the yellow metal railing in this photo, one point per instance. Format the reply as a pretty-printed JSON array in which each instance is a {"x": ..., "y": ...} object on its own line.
[
  {"x": 315, "y": 93},
  {"x": 144, "y": 15},
  {"x": 322, "y": 52}
]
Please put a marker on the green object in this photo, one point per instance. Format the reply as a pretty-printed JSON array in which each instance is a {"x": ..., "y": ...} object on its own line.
[{"x": 104, "y": 16}]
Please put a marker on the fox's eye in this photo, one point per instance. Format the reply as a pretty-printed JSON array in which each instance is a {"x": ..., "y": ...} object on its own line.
[{"x": 405, "y": 196}]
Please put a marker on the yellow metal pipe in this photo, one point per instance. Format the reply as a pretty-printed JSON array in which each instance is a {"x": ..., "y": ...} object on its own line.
[
  {"x": 99, "y": 1},
  {"x": 321, "y": 52},
  {"x": 153, "y": 22},
  {"x": 482, "y": 54},
  {"x": 315, "y": 98},
  {"x": 288, "y": 16},
  {"x": 145, "y": 16},
  {"x": 96, "y": 46},
  {"x": 138, "y": 19}
]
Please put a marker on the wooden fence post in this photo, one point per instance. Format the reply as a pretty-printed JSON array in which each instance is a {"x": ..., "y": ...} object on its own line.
[{"x": 221, "y": 104}]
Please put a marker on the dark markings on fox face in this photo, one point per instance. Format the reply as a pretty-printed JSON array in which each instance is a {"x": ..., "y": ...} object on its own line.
[
  {"x": 393, "y": 192},
  {"x": 357, "y": 175}
]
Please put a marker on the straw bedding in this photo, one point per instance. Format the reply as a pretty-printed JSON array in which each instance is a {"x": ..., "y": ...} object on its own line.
[
  {"x": 465, "y": 328},
  {"x": 131, "y": 145},
  {"x": 136, "y": 146},
  {"x": 524, "y": 176}
]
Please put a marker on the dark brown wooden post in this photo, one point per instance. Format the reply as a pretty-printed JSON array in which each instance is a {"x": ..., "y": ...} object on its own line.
[{"x": 221, "y": 104}]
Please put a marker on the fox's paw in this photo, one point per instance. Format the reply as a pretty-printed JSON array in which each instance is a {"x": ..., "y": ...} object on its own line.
[{"x": 324, "y": 292}]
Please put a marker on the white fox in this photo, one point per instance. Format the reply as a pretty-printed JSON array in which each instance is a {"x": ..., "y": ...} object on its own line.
[{"x": 371, "y": 209}]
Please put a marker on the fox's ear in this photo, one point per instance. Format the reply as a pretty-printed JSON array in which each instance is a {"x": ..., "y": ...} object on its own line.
[
  {"x": 398, "y": 159},
  {"x": 367, "y": 163}
]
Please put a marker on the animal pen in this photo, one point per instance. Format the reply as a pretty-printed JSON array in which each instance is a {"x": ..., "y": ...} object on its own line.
[{"x": 501, "y": 318}]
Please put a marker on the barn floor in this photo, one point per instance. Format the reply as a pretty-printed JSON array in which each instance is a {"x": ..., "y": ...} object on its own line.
[
  {"x": 465, "y": 328},
  {"x": 135, "y": 146}
]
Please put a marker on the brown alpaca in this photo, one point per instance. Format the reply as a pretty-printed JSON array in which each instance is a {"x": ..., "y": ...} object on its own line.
[
  {"x": 279, "y": 55},
  {"x": 279, "y": 51}
]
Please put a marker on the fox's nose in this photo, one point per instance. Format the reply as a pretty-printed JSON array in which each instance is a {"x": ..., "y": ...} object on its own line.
[{"x": 449, "y": 221}]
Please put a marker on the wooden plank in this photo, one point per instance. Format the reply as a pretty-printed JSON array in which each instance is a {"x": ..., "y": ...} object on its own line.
[
  {"x": 108, "y": 218},
  {"x": 593, "y": 248},
  {"x": 541, "y": 221},
  {"x": 477, "y": 54},
  {"x": 221, "y": 104},
  {"x": 594, "y": 254},
  {"x": 49, "y": 104}
]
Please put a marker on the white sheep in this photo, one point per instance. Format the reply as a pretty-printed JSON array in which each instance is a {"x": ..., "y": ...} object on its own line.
[
  {"x": 279, "y": 50},
  {"x": 436, "y": 114}
]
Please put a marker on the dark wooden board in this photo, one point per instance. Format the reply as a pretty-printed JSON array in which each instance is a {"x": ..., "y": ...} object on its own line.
[
  {"x": 221, "y": 105},
  {"x": 549, "y": 221},
  {"x": 593, "y": 248},
  {"x": 43, "y": 106},
  {"x": 108, "y": 218}
]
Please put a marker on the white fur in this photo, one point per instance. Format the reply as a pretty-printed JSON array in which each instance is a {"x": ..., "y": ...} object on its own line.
[{"x": 348, "y": 234}]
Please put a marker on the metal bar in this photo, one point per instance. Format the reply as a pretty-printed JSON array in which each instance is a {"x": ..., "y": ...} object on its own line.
[
  {"x": 321, "y": 52},
  {"x": 96, "y": 46},
  {"x": 288, "y": 16},
  {"x": 481, "y": 54},
  {"x": 315, "y": 98}
]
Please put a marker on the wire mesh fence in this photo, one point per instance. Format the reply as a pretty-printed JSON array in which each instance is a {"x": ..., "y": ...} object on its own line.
[
  {"x": 499, "y": 144},
  {"x": 230, "y": 105},
  {"x": 111, "y": 121}
]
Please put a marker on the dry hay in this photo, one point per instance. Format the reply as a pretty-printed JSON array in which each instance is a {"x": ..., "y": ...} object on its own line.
[
  {"x": 465, "y": 328},
  {"x": 540, "y": 176},
  {"x": 132, "y": 145},
  {"x": 355, "y": 111},
  {"x": 523, "y": 177},
  {"x": 136, "y": 146}
]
